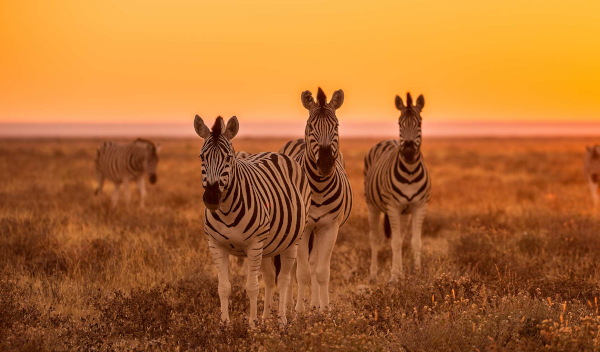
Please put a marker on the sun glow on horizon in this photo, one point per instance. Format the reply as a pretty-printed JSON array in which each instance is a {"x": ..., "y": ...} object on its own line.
[{"x": 154, "y": 61}]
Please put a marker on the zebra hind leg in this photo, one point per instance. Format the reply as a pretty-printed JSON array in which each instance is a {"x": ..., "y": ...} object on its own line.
[
  {"x": 268, "y": 272},
  {"x": 100, "y": 180},
  {"x": 374, "y": 240},
  {"x": 288, "y": 258},
  {"x": 302, "y": 270}
]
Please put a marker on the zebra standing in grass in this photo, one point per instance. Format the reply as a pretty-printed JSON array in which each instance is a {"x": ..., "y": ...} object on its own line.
[
  {"x": 125, "y": 163},
  {"x": 591, "y": 171},
  {"x": 320, "y": 156},
  {"x": 255, "y": 207},
  {"x": 397, "y": 184}
]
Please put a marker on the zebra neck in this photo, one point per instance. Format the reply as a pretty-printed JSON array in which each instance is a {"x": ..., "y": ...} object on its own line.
[
  {"x": 407, "y": 167},
  {"x": 232, "y": 192},
  {"x": 312, "y": 172}
]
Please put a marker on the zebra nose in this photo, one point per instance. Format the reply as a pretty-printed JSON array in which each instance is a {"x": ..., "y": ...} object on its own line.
[
  {"x": 212, "y": 196},
  {"x": 153, "y": 179},
  {"x": 409, "y": 144},
  {"x": 325, "y": 160}
]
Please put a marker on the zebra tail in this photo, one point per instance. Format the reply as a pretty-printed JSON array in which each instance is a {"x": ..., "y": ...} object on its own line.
[
  {"x": 277, "y": 262},
  {"x": 387, "y": 228}
]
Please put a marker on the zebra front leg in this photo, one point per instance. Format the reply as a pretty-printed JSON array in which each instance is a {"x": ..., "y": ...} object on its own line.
[
  {"x": 142, "y": 187},
  {"x": 397, "y": 223},
  {"x": 254, "y": 262},
  {"x": 325, "y": 240},
  {"x": 268, "y": 272},
  {"x": 115, "y": 195},
  {"x": 100, "y": 180},
  {"x": 417, "y": 223},
  {"x": 288, "y": 258},
  {"x": 290, "y": 296},
  {"x": 126, "y": 193},
  {"x": 313, "y": 261},
  {"x": 374, "y": 239},
  {"x": 302, "y": 271},
  {"x": 220, "y": 258}
]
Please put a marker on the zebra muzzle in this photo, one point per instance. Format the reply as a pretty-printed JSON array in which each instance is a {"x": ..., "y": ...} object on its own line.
[
  {"x": 212, "y": 196},
  {"x": 325, "y": 160}
]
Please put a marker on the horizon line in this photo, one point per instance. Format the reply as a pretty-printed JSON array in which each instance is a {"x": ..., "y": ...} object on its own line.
[{"x": 284, "y": 129}]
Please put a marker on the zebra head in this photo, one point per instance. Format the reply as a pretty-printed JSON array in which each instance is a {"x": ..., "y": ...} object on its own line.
[
  {"x": 151, "y": 160},
  {"x": 217, "y": 157},
  {"x": 321, "y": 134},
  {"x": 410, "y": 127}
]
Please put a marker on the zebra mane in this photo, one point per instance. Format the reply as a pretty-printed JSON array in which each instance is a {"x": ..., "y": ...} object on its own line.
[
  {"x": 216, "y": 128},
  {"x": 321, "y": 98},
  {"x": 149, "y": 142}
]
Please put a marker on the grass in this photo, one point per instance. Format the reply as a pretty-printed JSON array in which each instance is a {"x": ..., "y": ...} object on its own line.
[{"x": 511, "y": 257}]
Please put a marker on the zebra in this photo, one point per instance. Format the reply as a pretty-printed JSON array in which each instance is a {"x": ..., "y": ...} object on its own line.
[
  {"x": 591, "y": 171},
  {"x": 124, "y": 163},
  {"x": 242, "y": 154},
  {"x": 331, "y": 204},
  {"x": 397, "y": 184},
  {"x": 255, "y": 207}
]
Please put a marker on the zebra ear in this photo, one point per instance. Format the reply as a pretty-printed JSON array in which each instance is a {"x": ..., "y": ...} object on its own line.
[
  {"x": 337, "y": 99},
  {"x": 420, "y": 103},
  {"x": 399, "y": 104},
  {"x": 307, "y": 100},
  {"x": 232, "y": 128},
  {"x": 158, "y": 148},
  {"x": 201, "y": 128}
]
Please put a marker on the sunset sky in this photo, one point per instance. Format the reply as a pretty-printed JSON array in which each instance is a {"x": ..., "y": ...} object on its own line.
[{"x": 164, "y": 61}]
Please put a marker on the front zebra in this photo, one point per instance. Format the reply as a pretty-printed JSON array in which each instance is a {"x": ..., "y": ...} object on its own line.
[
  {"x": 591, "y": 171},
  {"x": 331, "y": 202},
  {"x": 125, "y": 163},
  {"x": 255, "y": 207},
  {"x": 397, "y": 184}
]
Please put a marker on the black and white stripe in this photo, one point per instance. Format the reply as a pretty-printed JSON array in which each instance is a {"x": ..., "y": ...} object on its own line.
[
  {"x": 125, "y": 163},
  {"x": 591, "y": 171},
  {"x": 397, "y": 184},
  {"x": 256, "y": 207},
  {"x": 320, "y": 156}
]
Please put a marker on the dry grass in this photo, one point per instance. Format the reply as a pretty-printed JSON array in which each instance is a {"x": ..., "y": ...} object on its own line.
[{"x": 511, "y": 257}]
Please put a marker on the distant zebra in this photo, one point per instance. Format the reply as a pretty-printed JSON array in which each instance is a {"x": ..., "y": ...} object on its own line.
[
  {"x": 397, "y": 184},
  {"x": 242, "y": 154},
  {"x": 255, "y": 207},
  {"x": 125, "y": 163},
  {"x": 591, "y": 171},
  {"x": 331, "y": 202}
]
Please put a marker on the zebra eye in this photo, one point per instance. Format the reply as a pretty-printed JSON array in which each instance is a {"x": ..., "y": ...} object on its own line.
[{"x": 229, "y": 157}]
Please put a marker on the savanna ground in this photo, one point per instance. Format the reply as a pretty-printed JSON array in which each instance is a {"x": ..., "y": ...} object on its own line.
[{"x": 511, "y": 257}]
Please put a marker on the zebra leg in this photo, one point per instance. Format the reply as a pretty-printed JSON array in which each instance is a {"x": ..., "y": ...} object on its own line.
[
  {"x": 142, "y": 187},
  {"x": 100, "y": 179},
  {"x": 324, "y": 241},
  {"x": 417, "y": 222},
  {"x": 397, "y": 223},
  {"x": 313, "y": 261},
  {"x": 254, "y": 262},
  {"x": 115, "y": 195},
  {"x": 268, "y": 272},
  {"x": 374, "y": 239},
  {"x": 302, "y": 270},
  {"x": 220, "y": 258},
  {"x": 126, "y": 193},
  {"x": 288, "y": 258},
  {"x": 290, "y": 295}
]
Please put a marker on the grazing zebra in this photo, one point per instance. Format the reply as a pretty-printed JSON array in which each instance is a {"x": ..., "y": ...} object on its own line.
[
  {"x": 397, "y": 184},
  {"x": 125, "y": 163},
  {"x": 255, "y": 207},
  {"x": 591, "y": 171},
  {"x": 331, "y": 203}
]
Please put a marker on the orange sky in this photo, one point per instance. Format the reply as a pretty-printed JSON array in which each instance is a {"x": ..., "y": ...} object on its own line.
[{"x": 164, "y": 61}]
